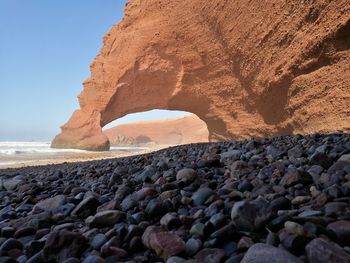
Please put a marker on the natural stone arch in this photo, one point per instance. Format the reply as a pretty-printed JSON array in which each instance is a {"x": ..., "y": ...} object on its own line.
[
  {"x": 156, "y": 81},
  {"x": 244, "y": 67}
]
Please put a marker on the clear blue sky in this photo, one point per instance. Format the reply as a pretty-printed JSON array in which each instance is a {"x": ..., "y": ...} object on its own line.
[{"x": 46, "y": 48}]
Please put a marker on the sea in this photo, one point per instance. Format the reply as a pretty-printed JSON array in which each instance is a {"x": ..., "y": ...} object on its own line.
[{"x": 24, "y": 152}]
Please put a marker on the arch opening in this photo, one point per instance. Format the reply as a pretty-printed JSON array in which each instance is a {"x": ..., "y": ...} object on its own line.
[{"x": 156, "y": 128}]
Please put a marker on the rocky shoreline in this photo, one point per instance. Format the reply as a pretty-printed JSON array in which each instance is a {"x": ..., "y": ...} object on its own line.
[{"x": 284, "y": 199}]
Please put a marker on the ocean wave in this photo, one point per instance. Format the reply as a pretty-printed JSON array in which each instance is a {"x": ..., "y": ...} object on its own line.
[
  {"x": 127, "y": 148},
  {"x": 11, "y": 144},
  {"x": 36, "y": 151},
  {"x": 21, "y": 148},
  {"x": 26, "y": 148}
]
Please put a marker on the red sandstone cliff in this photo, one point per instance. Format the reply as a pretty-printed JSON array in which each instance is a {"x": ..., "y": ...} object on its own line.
[
  {"x": 188, "y": 129},
  {"x": 247, "y": 68}
]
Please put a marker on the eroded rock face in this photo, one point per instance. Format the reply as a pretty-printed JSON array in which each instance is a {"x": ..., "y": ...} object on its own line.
[{"x": 246, "y": 68}]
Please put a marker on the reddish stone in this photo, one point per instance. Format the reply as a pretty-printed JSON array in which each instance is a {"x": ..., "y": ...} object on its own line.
[{"x": 166, "y": 244}]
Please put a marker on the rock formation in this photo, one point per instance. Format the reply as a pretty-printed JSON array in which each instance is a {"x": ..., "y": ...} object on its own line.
[
  {"x": 246, "y": 68},
  {"x": 183, "y": 130}
]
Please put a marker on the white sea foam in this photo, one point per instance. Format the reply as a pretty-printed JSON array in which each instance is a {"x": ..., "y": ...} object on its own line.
[
  {"x": 29, "y": 148},
  {"x": 126, "y": 148},
  {"x": 12, "y": 162},
  {"x": 14, "y": 152}
]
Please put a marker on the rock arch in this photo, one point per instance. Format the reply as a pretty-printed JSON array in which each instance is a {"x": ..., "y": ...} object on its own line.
[{"x": 246, "y": 68}]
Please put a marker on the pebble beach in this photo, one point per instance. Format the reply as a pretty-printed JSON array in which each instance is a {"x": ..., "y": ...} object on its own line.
[{"x": 284, "y": 199}]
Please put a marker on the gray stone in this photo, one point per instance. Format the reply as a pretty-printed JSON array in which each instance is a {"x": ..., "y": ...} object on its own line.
[
  {"x": 294, "y": 228},
  {"x": 322, "y": 159},
  {"x": 315, "y": 170},
  {"x": 232, "y": 155},
  {"x": 24, "y": 231},
  {"x": 71, "y": 260},
  {"x": 341, "y": 229},
  {"x": 293, "y": 177},
  {"x": 201, "y": 195},
  {"x": 98, "y": 241},
  {"x": 250, "y": 215},
  {"x": 245, "y": 186},
  {"x": 298, "y": 200},
  {"x": 218, "y": 220},
  {"x": 295, "y": 152},
  {"x": 86, "y": 207},
  {"x": 226, "y": 231},
  {"x": 110, "y": 205},
  {"x": 105, "y": 218},
  {"x": 176, "y": 260},
  {"x": 273, "y": 151},
  {"x": 9, "y": 244},
  {"x": 7, "y": 231},
  {"x": 234, "y": 259},
  {"x": 63, "y": 244},
  {"x": 116, "y": 177},
  {"x": 340, "y": 164},
  {"x": 12, "y": 183},
  {"x": 155, "y": 207},
  {"x": 93, "y": 259},
  {"x": 265, "y": 173},
  {"x": 170, "y": 221},
  {"x": 336, "y": 208},
  {"x": 67, "y": 226},
  {"x": 128, "y": 203},
  {"x": 197, "y": 229},
  {"x": 64, "y": 209},
  {"x": 280, "y": 203},
  {"x": 51, "y": 203},
  {"x": 210, "y": 255},
  {"x": 272, "y": 239},
  {"x": 244, "y": 243},
  {"x": 192, "y": 246},
  {"x": 186, "y": 175},
  {"x": 308, "y": 213},
  {"x": 320, "y": 250},
  {"x": 263, "y": 253},
  {"x": 251, "y": 145}
]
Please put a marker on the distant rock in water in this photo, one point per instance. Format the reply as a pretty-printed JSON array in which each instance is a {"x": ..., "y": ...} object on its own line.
[
  {"x": 183, "y": 130},
  {"x": 246, "y": 68}
]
